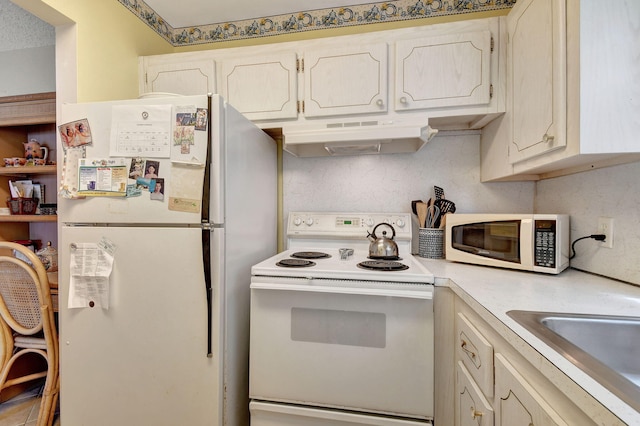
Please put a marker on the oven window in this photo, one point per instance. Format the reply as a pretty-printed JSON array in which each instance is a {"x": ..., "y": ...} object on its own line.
[
  {"x": 327, "y": 326},
  {"x": 497, "y": 240}
]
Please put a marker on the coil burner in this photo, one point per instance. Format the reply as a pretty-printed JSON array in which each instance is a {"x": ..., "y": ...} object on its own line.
[
  {"x": 310, "y": 255},
  {"x": 382, "y": 265},
  {"x": 295, "y": 263}
]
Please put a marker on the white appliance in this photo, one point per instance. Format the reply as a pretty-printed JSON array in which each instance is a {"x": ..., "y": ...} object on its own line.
[
  {"x": 337, "y": 138},
  {"x": 172, "y": 347},
  {"x": 333, "y": 343},
  {"x": 530, "y": 242}
]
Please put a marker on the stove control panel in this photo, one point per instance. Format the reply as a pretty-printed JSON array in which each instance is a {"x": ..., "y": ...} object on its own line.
[{"x": 347, "y": 225}]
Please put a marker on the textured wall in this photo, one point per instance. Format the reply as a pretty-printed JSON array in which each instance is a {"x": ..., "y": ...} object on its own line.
[
  {"x": 388, "y": 183},
  {"x": 21, "y": 30},
  {"x": 27, "y": 52},
  {"x": 610, "y": 192}
]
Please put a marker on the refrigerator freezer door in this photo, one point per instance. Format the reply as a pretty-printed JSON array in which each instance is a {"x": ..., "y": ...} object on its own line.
[
  {"x": 182, "y": 171},
  {"x": 144, "y": 360}
]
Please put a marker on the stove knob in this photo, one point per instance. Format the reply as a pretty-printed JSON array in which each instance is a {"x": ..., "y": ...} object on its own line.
[
  {"x": 400, "y": 223},
  {"x": 297, "y": 221},
  {"x": 369, "y": 222},
  {"x": 309, "y": 221}
]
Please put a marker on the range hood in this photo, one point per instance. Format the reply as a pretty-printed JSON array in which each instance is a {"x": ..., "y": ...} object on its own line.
[{"x": 356, "y": 138}]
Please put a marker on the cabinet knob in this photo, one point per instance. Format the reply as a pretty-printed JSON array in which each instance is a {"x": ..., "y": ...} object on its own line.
[
  {"x": 403, "y": 100},
  {"x": 379, "y": 102},
  {"x": 475, "y": 413},
  {"x": 548, "y": 138}
]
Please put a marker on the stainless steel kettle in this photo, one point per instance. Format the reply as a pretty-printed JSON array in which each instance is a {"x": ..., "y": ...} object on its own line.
[{"x": 383, "y": 247}]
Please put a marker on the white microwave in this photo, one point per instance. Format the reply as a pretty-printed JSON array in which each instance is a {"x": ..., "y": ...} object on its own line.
[{"x": 530, "y": 242}]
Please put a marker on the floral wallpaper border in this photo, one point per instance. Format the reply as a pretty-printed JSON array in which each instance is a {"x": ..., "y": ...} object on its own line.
[{"x": 388, "y": 11}]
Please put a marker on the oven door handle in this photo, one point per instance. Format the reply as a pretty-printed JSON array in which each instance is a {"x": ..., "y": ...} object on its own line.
[{"x": 426, "y": 293}]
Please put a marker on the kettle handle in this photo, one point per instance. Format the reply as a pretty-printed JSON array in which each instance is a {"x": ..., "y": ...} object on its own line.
[{"x": 393, "y": 230}]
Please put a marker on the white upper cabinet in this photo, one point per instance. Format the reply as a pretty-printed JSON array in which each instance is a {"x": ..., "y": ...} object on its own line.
[
  {"x": 450, "y": 74},
  {"x": 444, "y": 71},
  {"x": 263, "y": 87},
  {"x": 193, "y": 77},
  {"x": 349, "y": 80},
  {"x": 573, "y": 92},
  {"x": 536, "y": 77}
]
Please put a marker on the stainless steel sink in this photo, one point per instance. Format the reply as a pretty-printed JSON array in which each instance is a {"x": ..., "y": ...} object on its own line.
[{"x": 605, "y": 347}]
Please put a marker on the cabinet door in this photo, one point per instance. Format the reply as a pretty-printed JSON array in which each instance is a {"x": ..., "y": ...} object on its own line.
[
  {"x": 345, "y": 81},
  {"x": 517, "y": 402},
  {"x": 182, "y": 78},
  {"x": 451, "y": 70},
  {"x": 473, "y": 409},
  {"x": 536, "y": 77},
  {"x": 262, "y": 88}
]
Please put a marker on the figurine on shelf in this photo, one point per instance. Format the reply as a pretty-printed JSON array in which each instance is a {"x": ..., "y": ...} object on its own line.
[{"x": 33, "y": 150}]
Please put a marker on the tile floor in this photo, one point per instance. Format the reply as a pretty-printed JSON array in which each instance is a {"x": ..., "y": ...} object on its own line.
[{"x": 23, "y": 409}]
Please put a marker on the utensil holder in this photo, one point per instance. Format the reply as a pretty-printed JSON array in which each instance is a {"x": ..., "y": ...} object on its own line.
[
  {"x": 431, "y": 243},
  {"x": 22, "y": 205}
]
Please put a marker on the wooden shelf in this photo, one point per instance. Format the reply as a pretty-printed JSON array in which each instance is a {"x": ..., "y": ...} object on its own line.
[
  {"x": 28, "y": 170},
  {"x": 23, "y": 110},
  {"x": 26, "y": 218}
]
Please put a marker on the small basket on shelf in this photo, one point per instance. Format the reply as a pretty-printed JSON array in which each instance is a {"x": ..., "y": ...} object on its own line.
[{"x": 22, "y": 205}]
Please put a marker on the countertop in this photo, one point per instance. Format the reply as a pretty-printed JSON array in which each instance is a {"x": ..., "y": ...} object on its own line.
[{"x": 572, "y": 291}]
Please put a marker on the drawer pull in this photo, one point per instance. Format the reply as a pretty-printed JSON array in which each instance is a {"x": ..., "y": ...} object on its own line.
[{"x": 464, "y": 348}]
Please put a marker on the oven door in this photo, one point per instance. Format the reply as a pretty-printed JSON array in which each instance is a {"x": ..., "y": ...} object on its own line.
[{"x": 342, "y": 344}]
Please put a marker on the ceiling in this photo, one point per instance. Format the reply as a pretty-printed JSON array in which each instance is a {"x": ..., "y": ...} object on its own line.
[{"x": 189, "y": 13}]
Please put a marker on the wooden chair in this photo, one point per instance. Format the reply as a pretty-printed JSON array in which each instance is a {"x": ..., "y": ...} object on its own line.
[{"x": 27, "y": 327}]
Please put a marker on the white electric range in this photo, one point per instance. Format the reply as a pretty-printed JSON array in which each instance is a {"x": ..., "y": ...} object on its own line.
[{"x": 333, "y": 340}]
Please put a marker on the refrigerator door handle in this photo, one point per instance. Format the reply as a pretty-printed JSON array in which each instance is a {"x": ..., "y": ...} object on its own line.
[
  {"x": 206, "y": 232},
  {"x": 206, "y": 258}
]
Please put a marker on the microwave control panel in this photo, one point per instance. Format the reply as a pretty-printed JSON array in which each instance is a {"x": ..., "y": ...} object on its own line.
[{"x": 545, "y": 243}]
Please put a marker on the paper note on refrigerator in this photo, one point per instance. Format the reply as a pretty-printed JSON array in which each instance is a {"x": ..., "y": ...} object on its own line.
[
  {"x": 90, "y": 265},
  {"x": 141, "y": 131},
  {"x": 185, "y": 189}
]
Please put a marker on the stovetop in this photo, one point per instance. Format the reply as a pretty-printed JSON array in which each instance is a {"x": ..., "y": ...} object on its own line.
[
  {"x": 334, "y": 267},
  {"x": 324, "y": 238}
]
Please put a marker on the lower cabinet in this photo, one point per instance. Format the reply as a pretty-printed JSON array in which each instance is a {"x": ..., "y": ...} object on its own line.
[
  {"x": 518, "y": 403},
  {"x": 496, "y": 385},
  {"x": 473, "y": 408}
]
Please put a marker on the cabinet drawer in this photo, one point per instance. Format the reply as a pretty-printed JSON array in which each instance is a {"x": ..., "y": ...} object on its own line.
[
  {"x": 476, "y": 353},
  {"x": 472, "y": 407}
]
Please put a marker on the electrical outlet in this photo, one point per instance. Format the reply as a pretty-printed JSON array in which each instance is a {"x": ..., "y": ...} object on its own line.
[{"x": 605, "y": 226}]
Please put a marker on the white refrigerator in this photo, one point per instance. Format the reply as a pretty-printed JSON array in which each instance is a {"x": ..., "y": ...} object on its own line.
[{"x": 165, "y": 342}]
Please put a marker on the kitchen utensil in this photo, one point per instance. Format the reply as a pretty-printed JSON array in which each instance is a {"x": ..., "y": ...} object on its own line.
[
  {"x": 439, "y": 192},
  {"x": 433, "y": 216},
  {"x": 445, "y": 206},
  {"x": 422, "y": 213},
  {"x": 383, "y": 247},
  {"x": 413, "y": 206},
  {"x": 443, "y": 220}
]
